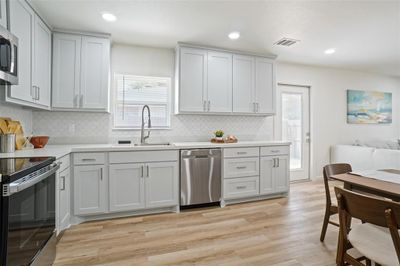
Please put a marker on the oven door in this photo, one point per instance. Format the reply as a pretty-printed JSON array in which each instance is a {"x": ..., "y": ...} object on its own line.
[{"x": 31, "y": 217}]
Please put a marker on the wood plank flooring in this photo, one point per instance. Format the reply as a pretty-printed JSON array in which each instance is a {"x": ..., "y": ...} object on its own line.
[{"x": 276, "y": 232}]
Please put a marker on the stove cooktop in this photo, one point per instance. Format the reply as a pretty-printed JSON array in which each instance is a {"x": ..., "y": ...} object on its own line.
[{"x": 18, "y": 167}]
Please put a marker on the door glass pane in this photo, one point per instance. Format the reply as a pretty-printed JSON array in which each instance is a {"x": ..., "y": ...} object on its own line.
[{"x": 292, "y": 126}]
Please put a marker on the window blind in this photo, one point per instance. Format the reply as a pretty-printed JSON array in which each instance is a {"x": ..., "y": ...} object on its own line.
[{"x": 133, "y": 92}]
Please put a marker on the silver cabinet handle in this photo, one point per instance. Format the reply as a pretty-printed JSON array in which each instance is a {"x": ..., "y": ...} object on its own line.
[
  {"x": 240, "y": 187},
  {"x": 76, "y": 104},
  {"x": 38, "y": 94},
  {"x": 209, "y": 106},
  {"x": 274, "y": 162},
  {"x": 241, "y": 153},
  {"x": 148, "y": 170},
  {"x": 241, "y": 167},
  {"x": 88, "y": 160},
  {"x": 275, "y": 151},
  {"x": 277, "y": 159},
  {"x": 141, "y": 171},
  {"x": 254, "y": 107},
  {"x": 63, "y": 183},
  {"x": 101, "y": 174},
  {"x": 204, "y": 105}
]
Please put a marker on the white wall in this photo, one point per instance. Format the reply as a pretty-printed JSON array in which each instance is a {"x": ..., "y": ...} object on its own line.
[{"x": 329, "y": 106}]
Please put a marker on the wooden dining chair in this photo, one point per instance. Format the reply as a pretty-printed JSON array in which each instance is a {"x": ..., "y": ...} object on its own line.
[
  {"x": 377, "y": 239},
  {"x": 331, "y": 209}
]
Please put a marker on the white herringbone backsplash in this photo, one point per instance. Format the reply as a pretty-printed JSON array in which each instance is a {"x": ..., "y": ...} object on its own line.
[
  {"x": 72, "y": 127},
  {"x": 18, "y": 113}
]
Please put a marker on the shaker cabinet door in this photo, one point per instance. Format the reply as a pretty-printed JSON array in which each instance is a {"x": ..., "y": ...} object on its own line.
[{"x": 243, "y": 84}]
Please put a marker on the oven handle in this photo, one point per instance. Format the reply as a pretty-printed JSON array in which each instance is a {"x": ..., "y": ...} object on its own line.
[{"x": 16, "y": 187}]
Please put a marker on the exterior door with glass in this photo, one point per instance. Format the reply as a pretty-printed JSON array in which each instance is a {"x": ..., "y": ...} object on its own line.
[{"x": 293, "y": 124}]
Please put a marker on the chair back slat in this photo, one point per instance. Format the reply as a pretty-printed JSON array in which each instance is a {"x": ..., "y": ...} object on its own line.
[{"x": 368, "y": 209}]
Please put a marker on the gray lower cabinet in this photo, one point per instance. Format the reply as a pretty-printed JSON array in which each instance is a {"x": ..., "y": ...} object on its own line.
[
  {"x": 90, "y": 189},
  {"x": 64, "y": 192},
  {"x": 126, "y": 187},
  {"x": 274, "y": 174},
  {"x": 135, "y": 186}
]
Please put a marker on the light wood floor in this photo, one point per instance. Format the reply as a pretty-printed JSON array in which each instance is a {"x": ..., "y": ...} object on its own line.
[{"x": 280, "y": 232}]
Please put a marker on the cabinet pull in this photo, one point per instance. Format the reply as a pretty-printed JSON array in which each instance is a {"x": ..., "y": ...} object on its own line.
[
  {"x": 240, "y": 187},
  {"x": 63, "y": 183},
  {"x": 81, "y": 101},
  {"x": 38, "y": 93},
  {"x": 277, "y": 159},
  {"x": 274, "y": 151},
  {"x": 101, "y": 174},
  {"x": 254, "y": 107},
  {"x": 148, "y": 171},
  {"x": 204, "y": 105},
  {"x": 241, "y": 167},
  {"x": 141, "y": 171},
  {"x": 274, "y": 162},
  {"x": 76, "y": 100},
  {"x": 241, "y": 153},
  {"x": 88, "y": 160},
  {"x": 209, "y": 104}
]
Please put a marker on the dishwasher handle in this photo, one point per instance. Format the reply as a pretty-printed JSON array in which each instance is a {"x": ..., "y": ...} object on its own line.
[{"x": 200, "y": 153}]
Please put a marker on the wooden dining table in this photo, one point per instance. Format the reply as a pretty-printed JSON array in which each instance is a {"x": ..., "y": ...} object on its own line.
[{"x": 377, "y": 187}]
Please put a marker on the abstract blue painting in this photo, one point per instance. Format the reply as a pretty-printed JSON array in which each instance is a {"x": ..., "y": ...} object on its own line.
[{"x": 369, "y": 107}]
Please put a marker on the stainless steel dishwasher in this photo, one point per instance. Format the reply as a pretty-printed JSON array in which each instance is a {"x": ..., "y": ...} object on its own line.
[{"x": 200, "y": 176}]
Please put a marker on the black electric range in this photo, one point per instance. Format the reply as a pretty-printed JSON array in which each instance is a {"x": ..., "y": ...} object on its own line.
[{"x": 27, "y": 208}]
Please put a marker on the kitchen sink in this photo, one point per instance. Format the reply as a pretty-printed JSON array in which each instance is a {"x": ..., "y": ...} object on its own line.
[{"x": 165, "y": 144}]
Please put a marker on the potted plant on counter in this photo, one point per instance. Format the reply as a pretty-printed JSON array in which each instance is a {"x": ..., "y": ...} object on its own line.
[{"x": 219, "y": 135}]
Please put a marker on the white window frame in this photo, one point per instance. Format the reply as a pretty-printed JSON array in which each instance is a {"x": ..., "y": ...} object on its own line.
[{"x": 115, "y": 96}]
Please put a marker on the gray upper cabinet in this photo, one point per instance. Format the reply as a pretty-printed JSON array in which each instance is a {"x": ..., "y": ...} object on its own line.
[
  {"x": 3, "y": 13},
  {"x": 214, "y": 81},
  {"x": 34, "y": 57},
  {"x": 81, "y": 66}
]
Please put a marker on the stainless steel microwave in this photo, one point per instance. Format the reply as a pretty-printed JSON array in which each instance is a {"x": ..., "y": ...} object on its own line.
[{"x": 8, "y": 57}]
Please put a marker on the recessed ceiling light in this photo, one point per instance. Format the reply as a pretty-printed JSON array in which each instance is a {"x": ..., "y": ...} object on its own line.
[
  {"x": 330, "y": 51},
  {"x": 109, "y": 17},
  {"x": 234, "y": 35}
]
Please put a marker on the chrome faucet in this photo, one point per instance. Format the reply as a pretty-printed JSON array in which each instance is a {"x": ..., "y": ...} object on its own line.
[{"x": 142, "y": 136}]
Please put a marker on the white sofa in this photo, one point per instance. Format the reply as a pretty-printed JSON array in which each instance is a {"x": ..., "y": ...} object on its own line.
[{"x": 365, "y": 158}]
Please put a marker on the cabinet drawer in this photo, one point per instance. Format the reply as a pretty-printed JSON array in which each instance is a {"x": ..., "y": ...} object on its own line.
[
  {"x": 274, "y": 150},
  {"x": 241, "y": 187},
  {"x": 241, "y": 167},
  {"x": 241, "y": 152},
  {"x": 143, "y": 156},
  {"x": 89, "y": 158},
  {"x": 65, "y": 162}
]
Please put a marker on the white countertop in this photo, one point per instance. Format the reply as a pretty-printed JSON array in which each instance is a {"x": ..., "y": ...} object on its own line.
[{"x": 59, "y": 151}]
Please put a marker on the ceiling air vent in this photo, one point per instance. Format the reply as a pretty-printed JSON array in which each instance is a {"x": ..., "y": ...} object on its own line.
[{"x": 286, "y": 42}]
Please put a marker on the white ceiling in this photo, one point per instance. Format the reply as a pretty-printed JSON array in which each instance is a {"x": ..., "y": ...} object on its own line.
[{"x": 365, "y": 34}]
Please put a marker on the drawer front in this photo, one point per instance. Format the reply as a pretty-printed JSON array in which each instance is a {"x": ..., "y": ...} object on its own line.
[
  {"x": 65, "y": 162},
  {"x": 143, "y": 156},
  {"x": 241, "y": 187},
  {"x": 241, "y": 167},
  {"x": 89, "y": 158},
  {"x": 241, "y": 152},
  {"x": 274, "y": 150}
]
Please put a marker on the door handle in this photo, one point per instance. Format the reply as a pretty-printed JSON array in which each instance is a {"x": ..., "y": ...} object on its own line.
[
  {"x": 274, "y": 162},
  {"x": 101, "y": 174},
  {"x": 81, "y": 101},
  {"x": 240, "y": 187},
  {"x": 76, "y": 101},
  {"x": 148, "y": 170},
  {"x": 204, "y": 105},
  {"x": 277, "y": 159},
  {"x": 141, "y": 171},
  {"x": 241, "y": 167},
  {"x": 63, "y": 183},
  {"x": 38, "y": 94}
]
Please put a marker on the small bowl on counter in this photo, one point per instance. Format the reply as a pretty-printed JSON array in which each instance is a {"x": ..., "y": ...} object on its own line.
[{"x": 39, "y": 142}]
